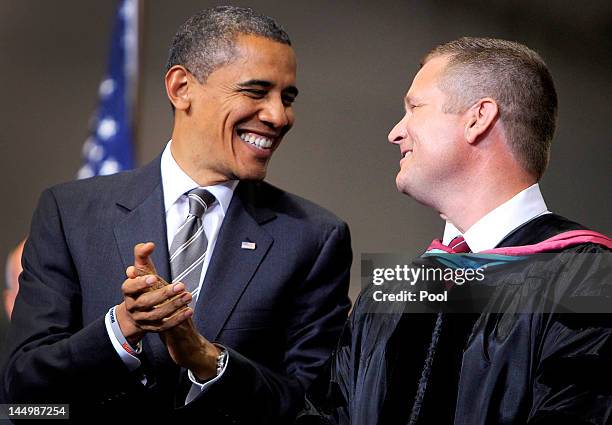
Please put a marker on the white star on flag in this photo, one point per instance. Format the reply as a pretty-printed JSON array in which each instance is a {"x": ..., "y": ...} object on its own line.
[{"x": 107, "y": 128}]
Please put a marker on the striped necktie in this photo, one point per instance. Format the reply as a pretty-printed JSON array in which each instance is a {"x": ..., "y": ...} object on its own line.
[{"x": 188, "y": 249}]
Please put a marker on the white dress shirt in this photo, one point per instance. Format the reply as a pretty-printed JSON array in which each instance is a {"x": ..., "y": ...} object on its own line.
[
  {"x": 491, "y": 229},
  {"x": 175, "y": 183}
]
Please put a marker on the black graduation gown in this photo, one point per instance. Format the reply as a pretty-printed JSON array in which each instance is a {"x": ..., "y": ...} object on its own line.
[{"x": 502, "y": 369}]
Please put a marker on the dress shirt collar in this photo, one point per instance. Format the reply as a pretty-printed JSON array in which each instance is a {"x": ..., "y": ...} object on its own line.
[
  {"x": 176, "y": 183},
  {"x": 491, "y": 229}
]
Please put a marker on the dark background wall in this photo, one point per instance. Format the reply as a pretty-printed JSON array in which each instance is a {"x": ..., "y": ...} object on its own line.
[{"x": 356, "y": 60}]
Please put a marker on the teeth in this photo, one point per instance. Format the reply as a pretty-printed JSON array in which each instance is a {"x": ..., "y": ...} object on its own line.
[{"x": 257, "y": 140}]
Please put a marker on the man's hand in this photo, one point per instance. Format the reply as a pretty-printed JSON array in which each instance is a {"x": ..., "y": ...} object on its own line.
[
  {"x": 152, "y": 305},
  {"x": 191, "y": 350}
]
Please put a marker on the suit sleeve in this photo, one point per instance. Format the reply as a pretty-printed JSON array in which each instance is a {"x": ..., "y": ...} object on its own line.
[
  {"x": 52, "y": 357},
  {"x": 327, "y": 399},
  {"x": 318, "y": 313}
]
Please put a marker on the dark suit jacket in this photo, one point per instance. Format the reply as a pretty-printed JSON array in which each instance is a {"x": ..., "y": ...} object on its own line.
[{"x": 278, "y": 308}]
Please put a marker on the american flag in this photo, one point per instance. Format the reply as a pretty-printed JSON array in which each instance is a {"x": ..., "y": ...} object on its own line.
[{"x": 109, "y": 147}]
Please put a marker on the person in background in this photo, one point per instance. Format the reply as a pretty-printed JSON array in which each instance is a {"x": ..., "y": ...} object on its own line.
[{"x": 12, "y": 271}]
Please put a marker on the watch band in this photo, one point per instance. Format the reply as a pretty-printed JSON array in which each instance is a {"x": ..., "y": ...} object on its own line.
[{"x": 221, "y": 360}]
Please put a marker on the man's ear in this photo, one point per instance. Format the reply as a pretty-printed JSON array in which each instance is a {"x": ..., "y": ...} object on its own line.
[
  {"x": 481, "y": 117},
  {"x": 177, "y": 82}
]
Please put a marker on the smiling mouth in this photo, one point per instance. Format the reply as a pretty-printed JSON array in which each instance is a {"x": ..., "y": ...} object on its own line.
[
  {"x": 257, "y": 140},
  {"x": 407, "y": 153}
]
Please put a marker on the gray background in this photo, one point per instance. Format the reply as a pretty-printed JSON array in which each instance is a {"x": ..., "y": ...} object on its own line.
[{"x": 356, "y": 59}]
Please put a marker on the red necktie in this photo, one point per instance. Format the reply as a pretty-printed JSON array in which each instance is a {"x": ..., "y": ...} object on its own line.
[
  {"x": 456, "y": 246},
  {"x": 459, "y": 245}
]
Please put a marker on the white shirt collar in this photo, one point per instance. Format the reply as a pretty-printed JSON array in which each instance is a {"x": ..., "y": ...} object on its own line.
[
  {"x": 491, "y": 229},
  {"x": 176, "y": 183}
]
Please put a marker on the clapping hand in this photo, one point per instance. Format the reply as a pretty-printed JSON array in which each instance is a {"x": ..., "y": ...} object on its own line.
[{"x": 153, "y": 305}]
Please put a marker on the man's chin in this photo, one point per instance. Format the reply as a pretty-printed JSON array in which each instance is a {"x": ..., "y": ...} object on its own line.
[
  {"x": 402, "y": 185},
  {"x": 252, "y": 174},
  {"x": 409, "y": 188}
]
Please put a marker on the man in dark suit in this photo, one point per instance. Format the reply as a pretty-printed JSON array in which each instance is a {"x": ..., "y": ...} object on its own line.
[
  {"x": 269, "y": 284},
  {"x": 474, "y": 142}
]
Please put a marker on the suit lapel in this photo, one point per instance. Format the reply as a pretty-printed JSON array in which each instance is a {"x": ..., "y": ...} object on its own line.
[
  {"x": 232, "y": 267},
  {"x": 144, "y": 221}
]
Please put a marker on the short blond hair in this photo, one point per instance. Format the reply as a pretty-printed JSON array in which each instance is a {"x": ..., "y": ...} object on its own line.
[{"x": 514, "y": 76}]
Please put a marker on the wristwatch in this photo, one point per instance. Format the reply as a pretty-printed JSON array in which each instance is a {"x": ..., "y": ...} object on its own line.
[{"x": 221, "y": 360}]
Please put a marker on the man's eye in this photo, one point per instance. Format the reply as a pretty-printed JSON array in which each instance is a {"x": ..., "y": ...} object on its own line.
[
  {"x": 255, "y": 92},
  {"x": 288, "y": 100}
]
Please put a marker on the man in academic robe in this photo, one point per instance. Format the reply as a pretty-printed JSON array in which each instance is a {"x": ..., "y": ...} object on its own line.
[{"x": 474, "y": 142}]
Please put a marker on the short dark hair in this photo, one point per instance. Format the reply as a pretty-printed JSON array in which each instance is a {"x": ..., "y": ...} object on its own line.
[
  {"x": 514, "y": 76},
  {"x": 206, "y": 41}
]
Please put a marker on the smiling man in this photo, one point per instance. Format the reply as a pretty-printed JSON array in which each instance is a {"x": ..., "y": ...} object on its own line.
[
  {"x": 474, "y": 142},
  {"x": 259, "y": 277},
  {"x": 245, "y": 109}
]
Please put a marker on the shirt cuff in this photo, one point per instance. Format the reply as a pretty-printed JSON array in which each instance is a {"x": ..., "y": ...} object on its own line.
[
  {"x": 198, "y": 387},
  {"x": 132, "y": 362}
]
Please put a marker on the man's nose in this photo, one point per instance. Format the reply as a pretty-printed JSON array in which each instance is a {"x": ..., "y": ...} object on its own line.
[
  {"x": 275, "y": 114},
  {"x": 398, "y": 133}
]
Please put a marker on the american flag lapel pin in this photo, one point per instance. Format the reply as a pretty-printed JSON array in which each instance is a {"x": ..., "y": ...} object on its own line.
[{"x": 248, "y": 245}]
